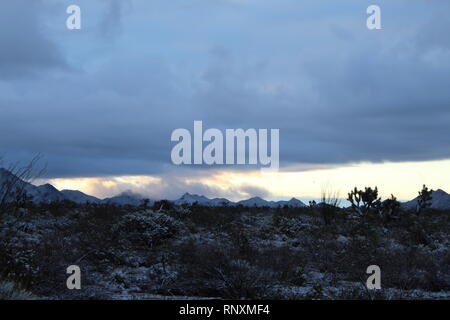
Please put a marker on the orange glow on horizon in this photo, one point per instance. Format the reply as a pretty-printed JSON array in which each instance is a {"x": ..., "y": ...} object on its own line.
[{"x": 403, "y": 179}]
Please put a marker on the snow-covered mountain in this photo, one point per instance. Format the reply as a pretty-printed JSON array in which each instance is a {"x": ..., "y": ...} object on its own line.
[
  {"x": 439, "y": 200},
  {"x": 259, "y": 202},
  {"x": 125, "y": 198},
  {"x": 188, "y": 198},
  {"x": 293, "y": 203},
  {"x": 48, "y": 193},
  {"x": 256, "y": 202},
  {"x": 79, "y": 197},
  {"x": 45, "y": 193},
  {"x": 217, "y": 202}
]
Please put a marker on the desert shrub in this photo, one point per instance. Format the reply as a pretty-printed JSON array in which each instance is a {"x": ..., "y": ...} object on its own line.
[
  {"x": 11, "y": 291},
  {"x": 17, "y": 251},
  {"x": 360, "y": 292},
  {"x": 223, "y": 276},
  {"x": 163, "y": 205},
  {"x": 105, "y": 213},
  {"x": 416, "y": 267},
  {"x": 211, "y": 217},
  {"x": 146, "y": 228},
  {"x": 239, "y": 279},
  {"x": 288, "y": 265},
  {"x": 229, "y": 252},
  {"x": 291, "y": 227}
]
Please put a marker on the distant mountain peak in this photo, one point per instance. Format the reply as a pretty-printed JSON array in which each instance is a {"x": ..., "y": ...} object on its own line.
[
  {"x": 48, "y": 186},
  {"x": 439, "y": 200},
  {"x": 126, "y": 198},
  {"x": 129, "y": 193},
  {"x": 79, "y": 197},
  {"x": 257, "y": 198}
]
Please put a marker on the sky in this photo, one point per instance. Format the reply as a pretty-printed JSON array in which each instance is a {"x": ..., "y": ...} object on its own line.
[{"x": 355, "y": 107}]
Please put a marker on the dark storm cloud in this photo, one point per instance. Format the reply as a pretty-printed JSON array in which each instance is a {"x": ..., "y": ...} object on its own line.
[
  {"x": 111, "y": 23},
  {"x": 25, "y": 49},
  {"x": 338, "y": 92}
]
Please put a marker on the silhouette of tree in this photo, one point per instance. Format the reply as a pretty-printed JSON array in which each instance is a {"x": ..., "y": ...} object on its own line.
[
  {"x": 424, "y": 200},
  {"x": 364, "y": 201}
]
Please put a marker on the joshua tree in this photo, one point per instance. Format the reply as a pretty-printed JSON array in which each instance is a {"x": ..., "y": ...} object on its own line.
[
  {"x": 424, "y": 200},
  {"x": 364, "y": 201},
  {"x": 390, "y": 207}
]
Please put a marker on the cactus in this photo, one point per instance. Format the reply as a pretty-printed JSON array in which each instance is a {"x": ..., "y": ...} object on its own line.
[
  {"x": 424, "y": 200},
  {"x": 364, "y": 201}
]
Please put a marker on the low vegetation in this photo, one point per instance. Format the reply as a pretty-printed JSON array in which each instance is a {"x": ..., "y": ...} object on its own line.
[{"x": 318, "y": 252}]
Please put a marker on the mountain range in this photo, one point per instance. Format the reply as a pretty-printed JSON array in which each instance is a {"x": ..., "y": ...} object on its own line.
[
  {"x": 47, "y": 193},
  {"x": 188, "y": 198}
]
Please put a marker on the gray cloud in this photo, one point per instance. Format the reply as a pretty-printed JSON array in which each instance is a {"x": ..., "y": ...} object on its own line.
[
  {"x": 173, "y": 184},
  {"x": 338, "y": 92},
  {"x": 112, "y": 20},
  {"x": 25, "y": 47}
]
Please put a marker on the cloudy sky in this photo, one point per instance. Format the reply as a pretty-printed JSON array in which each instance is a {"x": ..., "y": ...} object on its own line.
[{"x": 355, "y": 107}]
